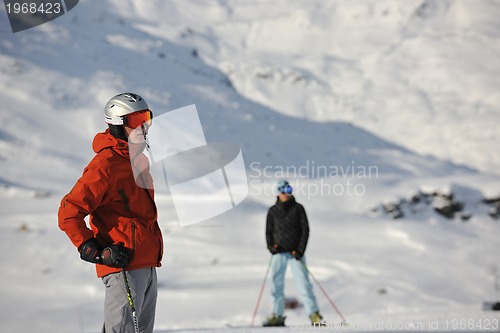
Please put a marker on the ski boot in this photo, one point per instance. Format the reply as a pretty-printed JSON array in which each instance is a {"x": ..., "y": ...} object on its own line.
[
  {"x": 317, "y": 320},
  {"x": 274, "y": 320}
]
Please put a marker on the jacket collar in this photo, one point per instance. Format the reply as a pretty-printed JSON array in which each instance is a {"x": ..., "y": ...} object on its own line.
[{"x": 105, "y": 140}]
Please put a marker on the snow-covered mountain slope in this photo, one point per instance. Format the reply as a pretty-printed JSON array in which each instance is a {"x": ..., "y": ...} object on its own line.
[
  {"x": 86, "y": 57},
  {"x": 420, "y": 73},
  {"x": 337, "y": 96}
]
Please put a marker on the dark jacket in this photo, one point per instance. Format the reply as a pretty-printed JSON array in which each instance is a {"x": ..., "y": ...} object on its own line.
[{"x": 287, "y": 228}]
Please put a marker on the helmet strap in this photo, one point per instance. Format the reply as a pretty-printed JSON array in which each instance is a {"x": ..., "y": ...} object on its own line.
[{"x": 145, "y": 136}]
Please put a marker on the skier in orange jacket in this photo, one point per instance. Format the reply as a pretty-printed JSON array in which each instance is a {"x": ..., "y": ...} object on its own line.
[{"x": 116, "y": 192}]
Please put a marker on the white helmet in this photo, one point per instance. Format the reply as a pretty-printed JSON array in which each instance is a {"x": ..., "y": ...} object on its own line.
[{"x": 121, "y": 105}]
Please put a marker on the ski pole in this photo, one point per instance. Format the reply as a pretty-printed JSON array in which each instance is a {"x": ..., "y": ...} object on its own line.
[
  {"x": 261, "y": 290},
  {"x": 130, "y": 302},
  {"x": 324, "y": 293}
]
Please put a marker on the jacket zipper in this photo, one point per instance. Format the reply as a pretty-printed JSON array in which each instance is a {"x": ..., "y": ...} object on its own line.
[
  {"x": 133, "y": 238},
  {"x": 125, "y": 199}
]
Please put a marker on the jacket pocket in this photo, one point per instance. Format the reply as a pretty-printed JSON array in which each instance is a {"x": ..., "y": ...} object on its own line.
[{"x": 146, "y": 243}]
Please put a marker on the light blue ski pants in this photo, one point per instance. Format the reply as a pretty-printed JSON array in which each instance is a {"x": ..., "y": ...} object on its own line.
[{"x": 278, "y": 269}]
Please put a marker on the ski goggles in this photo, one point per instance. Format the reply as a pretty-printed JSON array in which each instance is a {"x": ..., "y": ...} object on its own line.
[
  {"x": 136, "y": 119},
  {"x": 287, "y": 189},
  {"x": 284, "y": 187}
]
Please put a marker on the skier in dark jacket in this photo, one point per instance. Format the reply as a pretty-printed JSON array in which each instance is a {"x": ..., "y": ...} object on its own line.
[{"x": 287, "y": 233}]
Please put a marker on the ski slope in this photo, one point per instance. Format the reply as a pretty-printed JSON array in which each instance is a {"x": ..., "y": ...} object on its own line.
[
  {"x": 419, "y": 73},
  {"x": 358, "y": 103}
]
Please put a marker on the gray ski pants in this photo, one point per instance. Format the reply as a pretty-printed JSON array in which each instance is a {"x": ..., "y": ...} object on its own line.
[{"x": 117, "y": 312}]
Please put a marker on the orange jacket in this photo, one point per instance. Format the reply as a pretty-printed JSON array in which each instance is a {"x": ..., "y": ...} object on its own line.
[{"x": 120, "y": 211}]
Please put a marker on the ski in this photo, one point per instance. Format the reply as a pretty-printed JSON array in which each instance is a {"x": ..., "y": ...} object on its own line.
[{"x": 252, "y": 327}]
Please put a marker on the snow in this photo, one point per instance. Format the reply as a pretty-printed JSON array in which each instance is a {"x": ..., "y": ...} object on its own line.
[{"x": 358, "y": 103}]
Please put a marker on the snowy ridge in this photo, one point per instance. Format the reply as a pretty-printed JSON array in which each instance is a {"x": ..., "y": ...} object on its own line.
[
  {"x": 405, "y": 89},
  {"x": 416, "y": 72}
]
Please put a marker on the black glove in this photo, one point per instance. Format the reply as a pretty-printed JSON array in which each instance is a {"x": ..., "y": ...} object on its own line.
[
  {"x": 115, "y": 255},
  {"x": 297, "y": 255},
  {"x": 91, "y": 251},
  {"x": 273, "y": 249}
]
